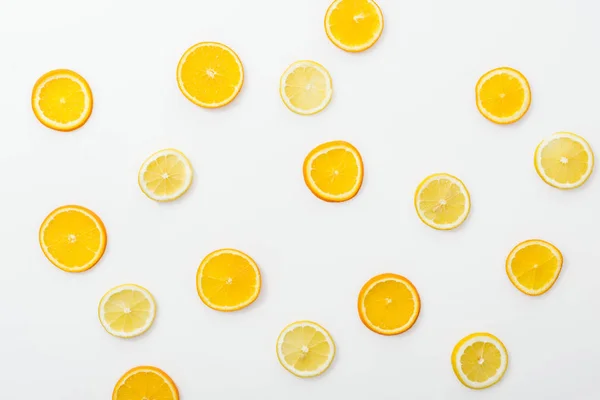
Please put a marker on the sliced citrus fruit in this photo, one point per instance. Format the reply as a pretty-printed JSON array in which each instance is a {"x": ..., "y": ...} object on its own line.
[
  {"x": 73, "y": 238},
  {"x": 210, "y": 74},
  {"x": 533, "y": 266},
  {"x": 503, "y": 95},
  {"x": 305, "y": 349},
  {"x": 305, "y": 87},
  {"x": 389, "y": 304},
  {"x": 145, "y": 383},
  {"x": 353, "y": 25},
  {"x": 333, "y": 171},
  {"x": 166, "y": 175},
  {"x": 442, "y": 201},
  {"x": 127, "y": 310},
  {"x": 564, "y": 160},
  {"x": 479, "y": 360},
  {"x": 228, "y": 280},
  {"x": 62, "y": 100}
]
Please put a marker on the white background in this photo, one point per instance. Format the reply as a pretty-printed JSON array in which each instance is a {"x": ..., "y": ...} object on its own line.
[{"x": 408, "y": 106}]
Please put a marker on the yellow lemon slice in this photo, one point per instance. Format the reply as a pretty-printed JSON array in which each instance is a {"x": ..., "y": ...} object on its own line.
[
  {"x": 145, "y": 383},
  {"x": 564, "y": 160},
  {"x": 166, "y": 175},
  {"x": 442, "y": 201},
  {"x": 353, "y": 25},
  {"x": 479, "y": 360},
  {"x": 210, "y": 74},
  {"x": 533, "y": 266},
  {"x": 305, "y": 349},
  {"x": 127, "y": 311},
  {"x": 389, "y": 304},
  {"x": 503, "y": 95},
  {"x": 305, "y": 87},
  {"x": 228, "y": 280},
  {"x": 73, "y": 238},
  {"x": 333, "y": 171},
  {"x": 62, "y": 100}
]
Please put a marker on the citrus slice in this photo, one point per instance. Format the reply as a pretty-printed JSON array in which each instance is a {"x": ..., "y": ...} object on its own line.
[
  {"x": 305, "y": 349},
  {"x": 353, "y": 25},
  {"x": 228, "y": 280},
  {"x": 333, "y": 171},
  {"x": 389, "y": 304},
  {"x": 166, "y": 175},
  {"x": 442, "y": 201},
  {"x": 479, "y": 360},
  {"x": 210, "y": 74},
  {"x": 564, "y": 160},
  {"x": 127, "y": 311},
  {"x": 62, "y": 100},
  {"x": 503, "y": 95},
  {"x": 305, "y": 87},
  {"x": 145, "y": 383},
  {"x": 533, "y": 266},
  {"x": 73, "y": 238}
]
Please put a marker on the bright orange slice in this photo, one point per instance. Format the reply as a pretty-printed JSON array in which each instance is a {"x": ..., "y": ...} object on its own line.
[
  {"x": 145, "y": 383},
  {"x": 533, "y": 266},
  {"x": 353, "y": 25},
  {"x": 210, "y": 74},
  {"x": 62, "y": 100},
  {"x": 503, "y": 95},
  {"x": 389, "y": 304}
]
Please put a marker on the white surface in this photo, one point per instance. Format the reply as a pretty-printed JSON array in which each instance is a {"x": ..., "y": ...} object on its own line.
[{"x": 407, "y": 104}]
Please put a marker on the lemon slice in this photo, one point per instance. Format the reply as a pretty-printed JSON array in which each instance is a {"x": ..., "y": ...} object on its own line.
[
  {"x": 305, "y": 349},
  {"x": 533, "y": 266},
  {"x": 479, "y": 360},
  {"x": 73, "y": 238},
  {"x": 564, "y": 160},
  {"x": 503, "y": 95},
  {"x": 305, "y": 87},
  {"x": 333, "y": 171},
  {"x": 389, "y": 304},
  {"x": 353, "y": 25},
  {"x": 127, "y": 311},
  {"x": 145, "y": 383},
  {"x": 210, "y": 74},
  {"x": 166, "y": 175},
  {"x": 228, "y": 280},
  {"x": 62, "y": 100},
  {"x": 442, "y": 201}
]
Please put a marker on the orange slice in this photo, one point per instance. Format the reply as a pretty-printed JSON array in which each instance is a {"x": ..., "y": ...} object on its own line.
[
  {"x": 503, "y": 95},
  {"x": 533, "y": 266},
  {"x": 145, "y": 383},
  {"x": 389, "y": 304},
  {"x": 228, "y": 280},
  {"x": 353, "y": 25},
  {"x": 62, "y": 100},
  {"x": 210, "y": 74},
  {"x": 73, "y": 238},
  {"x": 333, "y": 171}
]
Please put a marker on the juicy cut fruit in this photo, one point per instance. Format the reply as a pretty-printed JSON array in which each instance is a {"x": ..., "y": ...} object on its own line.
[
  {"x": 145, "y": 383},
  {"x": 533, "y": 266},
  {"x": 127, "y": 311},
  {"x": 353, "y": 25},
  {"x": 166, "y": 175},
  {"x": 442, "y": 201},
  {"x": 306, "y": 87},
  {"x": 479, "y": 360},
  {"x": 503, "y": 95}
]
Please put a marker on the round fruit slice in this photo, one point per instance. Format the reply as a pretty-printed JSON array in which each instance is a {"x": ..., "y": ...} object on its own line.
[
  {"x": 166, "y": 175},
  {"x": 333, "y": 171},
  {"x": 127, "y": 311},
  {"x": 305, "y": 349},
  {"x": 62, "y": 100},
  {"x": 533, "y": 266},
  {"x": 305, "y": 87},
  {"x": 353, "y": 25},
  {"x": 503, "y": 95},
  {"x": 564, "y": 160},
  {"x": 210, "y": 74},
  {"x": 228, "y": 280},
  {"x": 389, "y": 304},
  {"x": 479, "y": 360},
  {"x": 73, "y": 238},
  {"x": 145, "y": 383},
  {"x": 442, "y": 201}
]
